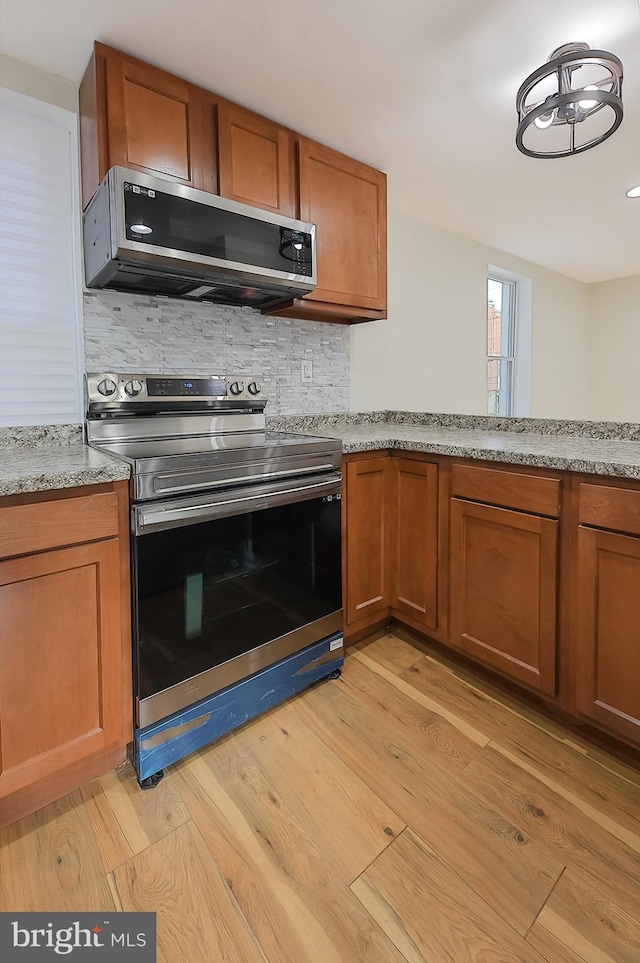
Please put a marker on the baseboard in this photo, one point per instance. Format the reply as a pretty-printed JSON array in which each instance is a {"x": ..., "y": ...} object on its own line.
[{"x": 31, "y": 798}]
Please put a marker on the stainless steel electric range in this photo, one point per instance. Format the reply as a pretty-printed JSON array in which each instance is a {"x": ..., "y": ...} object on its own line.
[{"x": 235, "y": 549}]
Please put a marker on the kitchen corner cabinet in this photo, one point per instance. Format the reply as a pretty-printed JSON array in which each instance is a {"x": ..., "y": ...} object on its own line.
[
  {"x": 391, "y": 542},
  {"x": 414, "y": 550},
  {"x": 256, "y": 160},
  {"x": 367, "y": 484},
  {"x": 65, "y": 658}
]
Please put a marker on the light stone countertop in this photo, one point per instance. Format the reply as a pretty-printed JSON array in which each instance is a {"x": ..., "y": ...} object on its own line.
[
  {"x": 40, "y": 459},
  {"x": 599, "y": 456},
  {"x": 44, "y": 458}
]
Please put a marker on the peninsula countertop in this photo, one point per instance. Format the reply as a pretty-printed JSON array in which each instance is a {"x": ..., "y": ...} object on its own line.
[
  {"x": 591, "y": 447},
  {"x": 45, "y": 457}
]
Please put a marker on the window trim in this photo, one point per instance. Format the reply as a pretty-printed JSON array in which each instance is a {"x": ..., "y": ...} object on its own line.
[
  {"x": 520, "y": 390},
  {"x": 68, "y": 121}
]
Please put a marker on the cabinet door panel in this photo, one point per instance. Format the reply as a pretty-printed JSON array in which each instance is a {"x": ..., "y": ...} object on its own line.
[
  {"x": 415, "y": 549},
  {"x": 256, "y": 160},
  {"x": 367, "y": 534},
  {"x": 608, "y": 637},
  {"x": 348, "y": 202},
  {"x": 61, "y": 687},
  {"x": 149, "y": 118},
  {"x": 503, "y": 591}
]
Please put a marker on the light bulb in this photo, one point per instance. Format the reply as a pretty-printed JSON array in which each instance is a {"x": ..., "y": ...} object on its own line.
[
  {"x": 634, "y": 191},
  {"x": 141, "y": 229},
  {"x": 544, "y": 120},
  {"x": 588, "y": 104}
]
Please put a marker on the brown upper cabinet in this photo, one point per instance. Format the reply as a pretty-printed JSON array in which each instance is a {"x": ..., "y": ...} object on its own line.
[
  {"x": 256, "y": 160},
  {"x": 135, "y": 115},
  {"x": 347, "y": 201}
]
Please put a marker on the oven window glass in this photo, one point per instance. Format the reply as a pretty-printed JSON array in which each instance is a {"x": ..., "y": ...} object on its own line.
[
  {"x": 215, "y": 590},
  {"x": 170, "y": 221}
]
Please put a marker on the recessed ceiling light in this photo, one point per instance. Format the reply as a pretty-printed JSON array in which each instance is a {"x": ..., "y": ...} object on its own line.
[{"x": 634, "y": 191}]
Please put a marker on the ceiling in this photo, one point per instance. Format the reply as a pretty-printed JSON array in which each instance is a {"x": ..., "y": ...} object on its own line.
[{"x": 423, "y": 89}]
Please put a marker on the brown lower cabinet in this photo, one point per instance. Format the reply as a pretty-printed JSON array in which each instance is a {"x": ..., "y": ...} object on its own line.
[
  {"x": 503, "y": 589},
  {"x": 391, "y": 541},
  {"x": 414, "y": 549},
  {"x": 367, "y": 486},
  {"x": 534, "y": 587},
  {"x": 65, "y": 651},
  {"x": 608, "y": 636}
]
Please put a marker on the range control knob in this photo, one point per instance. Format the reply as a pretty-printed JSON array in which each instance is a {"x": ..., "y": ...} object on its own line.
[
  {"x": 107, "y": 387},
  {"x": 236, "y": 388},
  {"x": 133, "y": 388},
  {"x": 254, "y": 388}
]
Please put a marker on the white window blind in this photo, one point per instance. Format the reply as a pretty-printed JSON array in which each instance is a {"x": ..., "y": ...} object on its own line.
[{"x": 40, "y": 288}]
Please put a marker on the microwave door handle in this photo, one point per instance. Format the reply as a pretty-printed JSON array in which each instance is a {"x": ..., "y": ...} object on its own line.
[{"x": 157, "y": 519}]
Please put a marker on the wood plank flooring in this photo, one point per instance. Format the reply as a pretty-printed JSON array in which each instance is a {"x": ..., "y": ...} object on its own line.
[{"x": 406, "y": 812}]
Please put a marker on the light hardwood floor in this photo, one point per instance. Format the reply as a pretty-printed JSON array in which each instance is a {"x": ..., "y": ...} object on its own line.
[{"x": 404, "y": 812}]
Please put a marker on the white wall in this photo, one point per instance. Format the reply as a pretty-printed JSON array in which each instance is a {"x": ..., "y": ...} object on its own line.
[
  {"x": 614, "y": 345},
  {"x": 430, "y": 355},
  {"x": 36, "y": 83}
]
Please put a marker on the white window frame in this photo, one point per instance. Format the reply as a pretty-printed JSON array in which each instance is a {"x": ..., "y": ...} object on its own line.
[
  {"x": 66, "y": 120},
  {"x": 520, "y": 401}
]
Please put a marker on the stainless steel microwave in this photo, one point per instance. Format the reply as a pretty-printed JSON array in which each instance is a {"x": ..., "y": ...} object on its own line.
[{"x": 145, "y": 234}]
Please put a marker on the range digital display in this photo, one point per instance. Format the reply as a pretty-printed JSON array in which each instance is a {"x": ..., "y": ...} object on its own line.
[{"x": 192, "y": 388}]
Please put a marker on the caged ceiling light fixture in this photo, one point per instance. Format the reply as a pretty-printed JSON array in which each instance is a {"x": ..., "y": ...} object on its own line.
[{"x": 571, "y": 103}]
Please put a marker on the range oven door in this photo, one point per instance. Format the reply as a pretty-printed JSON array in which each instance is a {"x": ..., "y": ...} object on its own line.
[{"x": 230, "y": 583}]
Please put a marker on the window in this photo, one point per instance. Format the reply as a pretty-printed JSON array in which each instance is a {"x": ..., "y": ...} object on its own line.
[
  {"x": 501, "y": 311},
  {"x": 508, "y": 344},
  {"x": 40, "y": 287}
]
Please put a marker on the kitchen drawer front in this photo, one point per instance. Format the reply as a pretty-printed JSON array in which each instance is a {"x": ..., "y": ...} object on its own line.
[
  {"x": 43, "y": 525},
  {"x": 617, "y": 509},
  {"x": 536, "y": 494}
]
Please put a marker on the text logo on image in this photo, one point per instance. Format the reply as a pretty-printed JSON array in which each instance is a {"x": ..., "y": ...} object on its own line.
[{"x": 79, "y": 936}]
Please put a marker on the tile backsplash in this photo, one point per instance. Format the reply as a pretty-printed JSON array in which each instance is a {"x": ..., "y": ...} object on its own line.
[{"x": 127, "y": 332}]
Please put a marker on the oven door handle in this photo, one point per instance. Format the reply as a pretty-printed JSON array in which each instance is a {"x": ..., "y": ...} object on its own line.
[
  {"x": 173, "y": 514},
  {"x": 210, "y": 474}
]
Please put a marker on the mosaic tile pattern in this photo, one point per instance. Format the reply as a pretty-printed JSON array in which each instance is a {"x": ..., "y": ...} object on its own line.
[{"x": 126, "y": 332}]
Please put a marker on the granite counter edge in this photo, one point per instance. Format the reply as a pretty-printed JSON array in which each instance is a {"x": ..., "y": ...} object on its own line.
[
  {"x": 31, "y": 483},
  {"x": 582, "y": 465}
]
